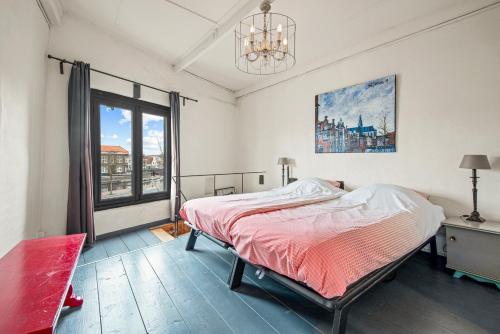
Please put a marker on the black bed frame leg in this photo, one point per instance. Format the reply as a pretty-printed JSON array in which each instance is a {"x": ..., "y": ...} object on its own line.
[
  {"x": 434, "y": 255},
  {"x": 340, "y": 320},
  {"x": 192, "y": 240},
  {"x": 236, "y": 273}
]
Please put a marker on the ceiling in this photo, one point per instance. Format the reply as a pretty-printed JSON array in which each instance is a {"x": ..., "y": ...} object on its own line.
[{"x": 171, "y": 29}]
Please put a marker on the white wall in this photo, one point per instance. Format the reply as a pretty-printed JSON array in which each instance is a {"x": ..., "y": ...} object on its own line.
[
  {"x": 448, "y": 105},
  {"x": 23, "y": 40},
  {"x": 207, "y": 133},
  {"x": 448, "y": 84}
]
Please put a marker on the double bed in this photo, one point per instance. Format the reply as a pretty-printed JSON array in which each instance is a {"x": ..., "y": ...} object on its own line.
[{"x": 325, "y": 243}]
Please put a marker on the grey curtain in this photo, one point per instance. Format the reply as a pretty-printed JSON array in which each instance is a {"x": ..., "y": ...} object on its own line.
[
  {"x": 176, "y": 162},
  {"x": 80, "y": 215}
]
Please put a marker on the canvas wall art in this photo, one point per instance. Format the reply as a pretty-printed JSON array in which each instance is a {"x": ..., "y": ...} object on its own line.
[{"x": 357, "y": 119}]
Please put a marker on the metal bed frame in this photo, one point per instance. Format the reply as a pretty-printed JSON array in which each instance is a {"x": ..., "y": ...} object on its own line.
[{"x": 339, "y": 306}]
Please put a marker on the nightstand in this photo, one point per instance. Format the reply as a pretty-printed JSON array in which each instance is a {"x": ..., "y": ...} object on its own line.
[{"x": 473, "y": 249}]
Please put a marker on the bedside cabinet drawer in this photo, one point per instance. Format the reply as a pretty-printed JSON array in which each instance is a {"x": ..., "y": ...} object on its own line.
[{"x": 473, "y": 252}]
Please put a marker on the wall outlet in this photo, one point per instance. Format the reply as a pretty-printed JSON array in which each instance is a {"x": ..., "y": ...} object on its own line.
[{"x": 40, "y": 234}]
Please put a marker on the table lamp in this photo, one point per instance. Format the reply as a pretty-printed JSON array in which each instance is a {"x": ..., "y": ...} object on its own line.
[
  {"x": 475, "y": 162},
  {"x": 283, "y": 161}
]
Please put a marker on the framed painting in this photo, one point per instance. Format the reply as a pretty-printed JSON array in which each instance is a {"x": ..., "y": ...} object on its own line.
[{"x": 357, "y": 119}]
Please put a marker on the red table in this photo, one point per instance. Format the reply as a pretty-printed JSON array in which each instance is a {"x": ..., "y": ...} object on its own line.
[{"x": 35, "y": 283}]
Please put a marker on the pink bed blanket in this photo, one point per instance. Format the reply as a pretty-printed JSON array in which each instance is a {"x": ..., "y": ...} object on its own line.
[{"x": 329, "y": 240}]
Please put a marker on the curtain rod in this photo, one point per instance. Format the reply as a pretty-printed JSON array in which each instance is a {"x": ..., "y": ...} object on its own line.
[{"x": 64, "y": 61}]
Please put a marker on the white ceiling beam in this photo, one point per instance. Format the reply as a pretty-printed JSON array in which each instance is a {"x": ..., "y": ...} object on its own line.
[
  {"x": 216, "y": 34},
  {"x": 54, "y": 11}
]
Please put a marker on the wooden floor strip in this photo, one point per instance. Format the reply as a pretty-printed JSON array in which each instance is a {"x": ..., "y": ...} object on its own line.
[
  {"x": 283, "y": 318},
  {"x": 199, "y": 315},
  {"x": 239, "y": 315},
  {"x": 149, "y": 238},
  {"x": 133, "y": 241},
  {"x": 85, "y": 319},
  {"x": 119, "y": 311},
  {"x": 157, "y": 309},
  {"x": 94, "y": 253},
  {"x": 114, "y": 246},
  {"x": 81, "y": 260}
]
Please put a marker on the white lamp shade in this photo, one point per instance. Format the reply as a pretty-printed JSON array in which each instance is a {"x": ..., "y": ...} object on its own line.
[
  {"x": 475, "y": 161},
  {"x": 283, "y": 161}
]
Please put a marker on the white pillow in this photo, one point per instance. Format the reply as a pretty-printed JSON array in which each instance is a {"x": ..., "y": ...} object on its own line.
[{"x": 310, "y": 186}]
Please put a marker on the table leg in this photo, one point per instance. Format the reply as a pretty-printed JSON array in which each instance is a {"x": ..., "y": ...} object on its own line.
[{"x": 72, "y": 300}]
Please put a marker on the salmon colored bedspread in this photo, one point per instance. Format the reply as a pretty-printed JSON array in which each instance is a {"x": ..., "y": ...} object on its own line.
[{"x": 328, "y": 238}]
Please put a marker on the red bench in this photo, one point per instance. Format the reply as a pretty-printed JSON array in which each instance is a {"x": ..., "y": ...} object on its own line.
[{"x": 35, "y": 283}]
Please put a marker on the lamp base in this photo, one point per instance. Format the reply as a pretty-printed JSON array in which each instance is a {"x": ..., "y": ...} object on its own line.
[{"x": 475, "y": 217}]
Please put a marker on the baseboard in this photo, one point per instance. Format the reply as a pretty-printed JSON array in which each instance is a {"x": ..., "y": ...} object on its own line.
[{"x": 133, "y": 228}]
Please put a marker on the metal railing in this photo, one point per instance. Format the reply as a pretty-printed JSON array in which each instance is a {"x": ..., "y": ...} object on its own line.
[{"x": 214, "y": 175}]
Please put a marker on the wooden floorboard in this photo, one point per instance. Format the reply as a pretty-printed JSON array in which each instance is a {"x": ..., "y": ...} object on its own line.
[
  {"x": 114, "y": 246},
  {"x": 94, "y": 253},
  {"x": 461, "y": 298},
  {"x": 239, "y": 315},
  {"x": 81, "y": 260},
  {"x": 410, "y": 310},
  {"x": 157, "y": 309},
  {"x": 133, "y": 240},
  {"x": 118, "y": 308},
  {"x": 148, "y": 237},
  {"x": 283, "y": 318},
  {"x": 199, "y": 314},
  {"x": 85, "y": 319}
]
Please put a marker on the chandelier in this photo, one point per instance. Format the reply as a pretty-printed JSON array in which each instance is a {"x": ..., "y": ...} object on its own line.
[{"x": 265, "y": 42}]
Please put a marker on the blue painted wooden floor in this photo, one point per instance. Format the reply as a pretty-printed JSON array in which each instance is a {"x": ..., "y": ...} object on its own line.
[
  {"x": 164, "y": 289},
  {"x": 120, "y": 244}
]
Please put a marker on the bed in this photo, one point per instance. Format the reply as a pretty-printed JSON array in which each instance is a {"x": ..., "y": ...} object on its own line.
[{"x": 323, "y": 242}]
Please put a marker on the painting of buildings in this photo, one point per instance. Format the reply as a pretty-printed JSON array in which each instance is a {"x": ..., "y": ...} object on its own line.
[{"x": 357, "y": 119}]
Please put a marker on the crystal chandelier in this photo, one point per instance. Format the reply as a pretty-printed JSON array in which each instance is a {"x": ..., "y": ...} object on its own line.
[{"x": 265, "y": 42}]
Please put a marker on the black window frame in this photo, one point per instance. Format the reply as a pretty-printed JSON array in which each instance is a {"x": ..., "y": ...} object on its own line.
[{"x": 137, "y": 108}]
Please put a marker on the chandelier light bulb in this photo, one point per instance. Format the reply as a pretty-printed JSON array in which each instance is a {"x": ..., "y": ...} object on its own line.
[
  {"x": 285, "y": 42},
  {"x": 279, "y": 29},
  {"x": 252, "y": 29}
]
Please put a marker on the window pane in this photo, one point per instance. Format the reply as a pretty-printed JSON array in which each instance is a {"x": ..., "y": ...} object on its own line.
[
  {"x": 116, "y": 152},
  {"x": 153, "y": 138}
]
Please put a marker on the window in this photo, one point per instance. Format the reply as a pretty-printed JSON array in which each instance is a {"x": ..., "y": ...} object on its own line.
[
  {"x": 131, "y": 148},
  {"x": 153, "y": 132}
]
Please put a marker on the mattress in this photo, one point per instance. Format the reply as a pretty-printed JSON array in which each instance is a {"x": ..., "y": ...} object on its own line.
[{"x": 318, "y": 234}]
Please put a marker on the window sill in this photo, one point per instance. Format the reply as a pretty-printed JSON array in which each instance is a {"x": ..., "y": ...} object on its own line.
[{"x": 119, "y": 204}]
